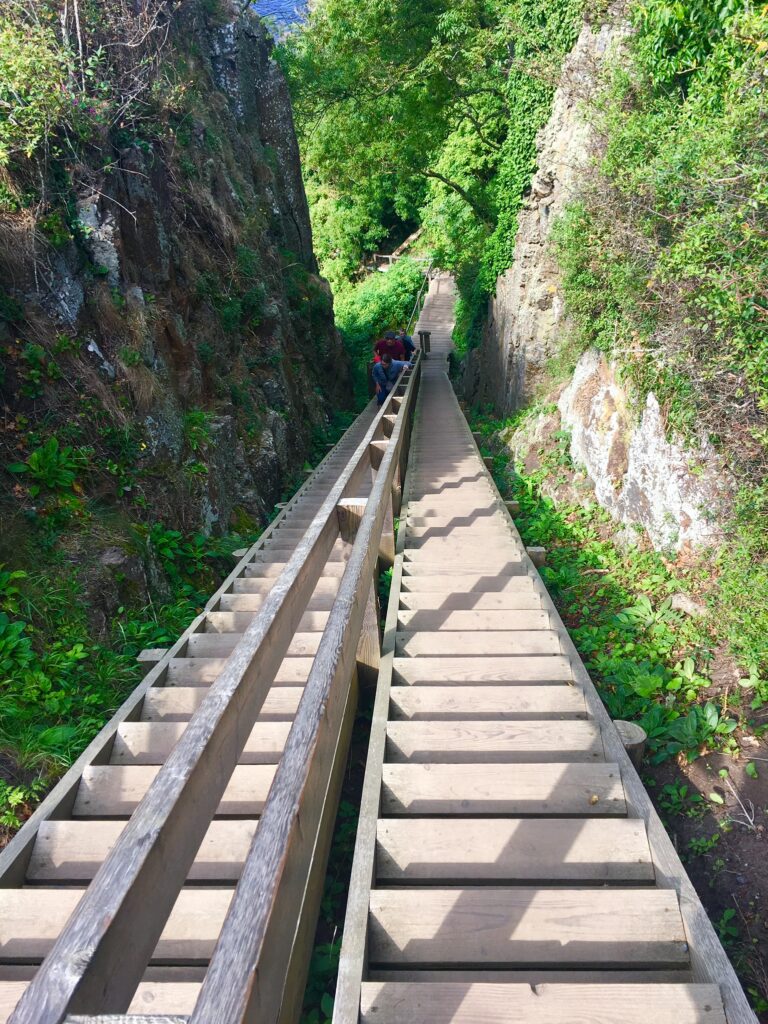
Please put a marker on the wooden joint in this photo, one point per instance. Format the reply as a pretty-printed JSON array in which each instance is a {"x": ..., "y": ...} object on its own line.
[
  {"x": 388, "y": 423},
  {"x": 377, "y": 450},
  {"x": 537, "y": 555},
  {"x": 350, "y": 512}
]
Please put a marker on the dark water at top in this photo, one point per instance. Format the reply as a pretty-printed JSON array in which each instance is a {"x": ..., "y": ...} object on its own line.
[{"x": 282, "y": 13}]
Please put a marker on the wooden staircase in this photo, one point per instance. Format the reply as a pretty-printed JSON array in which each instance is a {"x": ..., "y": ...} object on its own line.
[{"x": 509, "y": 866}]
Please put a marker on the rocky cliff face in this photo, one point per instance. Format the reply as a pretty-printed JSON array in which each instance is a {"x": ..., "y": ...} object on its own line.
[
  {"x": 676, "y": 493},
  {"x": 166, "y": 315},
  {"x": 525, "y": 316}
]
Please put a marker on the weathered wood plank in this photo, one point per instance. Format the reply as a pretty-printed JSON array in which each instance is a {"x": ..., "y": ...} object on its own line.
[
  {"x": 486, "y": 643},
  {"x": 493, "y": 742},
  {"x": 178, "y": 703},
  {"x": 534, "y": 790},
  {"x": 152, "y": 742},
  {"x": 32, "y": 919},
  {"x": 203, "y": 671},
  {"x": 471, "y": 619},
  {"x": 479, "y": 671},
  {"x": 115, "y": 791},
  {"x": 154, "y": 1001},
  {"x": 436, "y": 601},
  {"x": 494, "y": 702},
  {"x": 497, "y": 926},
  {"x": 72, "y": 851},
  {"x": 466, "y": 583},
  {"x": 467, "y": 1003},
  {"x": 221, "y": 645},
  {"x": 424, "y": 851}
]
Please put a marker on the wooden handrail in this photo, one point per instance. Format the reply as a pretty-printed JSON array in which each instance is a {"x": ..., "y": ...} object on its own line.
[
  {"x": 243, "y": 982},
  {"x": 14, "y": 858},
  {"x": 101, "y": 954}
]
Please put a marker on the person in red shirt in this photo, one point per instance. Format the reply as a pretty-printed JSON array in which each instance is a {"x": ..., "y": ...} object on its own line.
[{"x": 390, "y": 344}]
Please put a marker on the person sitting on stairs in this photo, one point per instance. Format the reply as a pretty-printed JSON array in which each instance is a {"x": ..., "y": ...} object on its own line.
[{"x": 385, "y": 374}]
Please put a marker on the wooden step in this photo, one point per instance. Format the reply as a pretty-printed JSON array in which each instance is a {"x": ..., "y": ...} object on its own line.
[
  {"x": 520, "y": 790},
  {"x": 203, "y": 671},
  {"x": 281, "y": 551},
  {"x": 445, "y": 559},
  {"x": 441, "y": 602},
  {"x": 154, "y": 998},
  {"x": 238, "y": 622},
  {"x": 486, "y": 643},
  {"x": 477, "y": 670},
  {"x": 272, "y": 569},
  {"x": 466, "y": 583},
  {"x": 583, "y": 851},
  {"x": 432, "y": 621},
  {"x": 250, "y": 585},
  {"x": 72, "y": 851},
  {"x": 610, "y": 928},
  {"x": 114, "y": 791},
  {"x": 493, "y": 742},
  {"x": 220, "y": 645},
  {"x": 491, "y": 702},
  {"x": 446, "y": 1002},
  {"x": 31, "y": 919},
  {"x": 240, "y": 603},
  {"x": 152, "y": 742},
  {"x": 178, "y": 703}
]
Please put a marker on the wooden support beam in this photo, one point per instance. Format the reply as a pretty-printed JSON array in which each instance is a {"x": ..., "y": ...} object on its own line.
[
  {"x": 537, "y": 555},
  {"x": 477, "y": 437},
  {"x": 513, "y": 507},
  {"x": 488, "y": 460},
  {"x": 151, "y": 655}
]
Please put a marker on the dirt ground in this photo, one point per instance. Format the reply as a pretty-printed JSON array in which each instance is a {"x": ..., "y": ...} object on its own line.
[{"x": 724, "y": 846}]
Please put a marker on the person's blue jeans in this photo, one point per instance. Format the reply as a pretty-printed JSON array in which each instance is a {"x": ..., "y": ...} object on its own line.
[{"x": 381, "y": 396}]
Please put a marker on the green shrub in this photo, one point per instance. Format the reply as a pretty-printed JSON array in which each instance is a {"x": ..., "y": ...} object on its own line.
[{"x": 34, "y": 86}]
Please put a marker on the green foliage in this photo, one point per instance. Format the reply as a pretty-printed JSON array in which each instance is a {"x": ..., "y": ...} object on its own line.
[
  {"x": 58, "y": 682},
  {"x": 366, "y": 310},
  {"x": 52, "y": 466},
  {"x": 666, "y": 258},
  {"x": 34, "y": 86},
  {"x": 449, "y": 144}
]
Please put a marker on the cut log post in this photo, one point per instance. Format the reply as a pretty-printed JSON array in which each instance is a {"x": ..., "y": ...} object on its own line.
[
  {"x": 239, "y": 553},
  {"x": 513, "y": 507},
  {"x": 488, "y": 460},
  {"x": 634, "y": 737},
  {"x": 477, "y": 437},
  {"x": 537, "y": 555}
]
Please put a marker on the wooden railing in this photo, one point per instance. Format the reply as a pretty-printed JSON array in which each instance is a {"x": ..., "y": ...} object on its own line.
[{"x": 102, "y": 952}]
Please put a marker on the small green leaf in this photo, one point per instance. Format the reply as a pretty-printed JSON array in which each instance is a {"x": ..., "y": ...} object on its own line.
[
  {"x": 716, "y": 798},
  {"x": 326, "y": 1004},
  {"x": 17, "y": 467},
  {"x": 751, "y": 770}
]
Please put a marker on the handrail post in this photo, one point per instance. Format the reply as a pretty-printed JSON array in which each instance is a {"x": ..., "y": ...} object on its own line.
[{"x": 350, "y": 512}]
